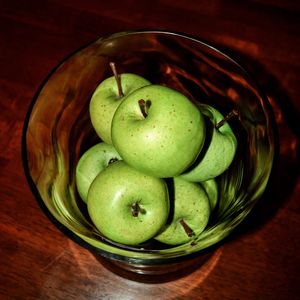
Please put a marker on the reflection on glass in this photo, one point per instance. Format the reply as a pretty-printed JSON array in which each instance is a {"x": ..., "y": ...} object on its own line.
[{"x": 59, "y": 131}]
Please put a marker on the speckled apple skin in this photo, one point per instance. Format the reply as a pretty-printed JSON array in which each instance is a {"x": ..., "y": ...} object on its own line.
[
  {"x": 211, "y": 188},
  {"x": 111, "y": 196},
  {"x": 191, "y": 204},
  {"x": 220, "y": 152},
  {"x": 91, "y": 163},
  {"x": 106, "y": 99},
  {"x": 164, "y": 143}
]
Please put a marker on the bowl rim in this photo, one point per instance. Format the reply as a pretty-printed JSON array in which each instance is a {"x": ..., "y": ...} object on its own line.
[{"x": 268, "y": 112}]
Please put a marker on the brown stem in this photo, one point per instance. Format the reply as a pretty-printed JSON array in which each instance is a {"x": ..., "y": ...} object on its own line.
[
  {"x": 144, "y": 106},
  {"x": 233, "y": 113},
  {"x": 135, "y": 209},
  {"x": 117, "y": 77},
  {"x": 186, "y": 228}
]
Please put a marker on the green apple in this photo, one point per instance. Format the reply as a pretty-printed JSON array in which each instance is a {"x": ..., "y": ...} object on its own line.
[
  {"x": 91, "y": 163},
  {"x": 219, "y": 149},
  {"x": 190, "y": 213},
  {"x": 211, "y": 188},
  {"x": 158, "y": 131},
  {"x": 127, "y": 206},
  {"x": 107, "y": 97}
]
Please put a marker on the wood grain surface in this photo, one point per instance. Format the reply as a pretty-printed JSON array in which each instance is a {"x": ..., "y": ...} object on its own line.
[{"x": 261, "y": 260}]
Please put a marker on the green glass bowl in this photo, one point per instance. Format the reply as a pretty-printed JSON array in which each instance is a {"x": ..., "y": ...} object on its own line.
[{"x": 58, "y": 130}]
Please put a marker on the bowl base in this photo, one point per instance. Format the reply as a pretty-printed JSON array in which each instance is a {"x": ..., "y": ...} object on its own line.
[{"x": 154, "y": 273}]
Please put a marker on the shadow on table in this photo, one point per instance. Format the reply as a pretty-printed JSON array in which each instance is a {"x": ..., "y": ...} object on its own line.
[{"x": 285, "y": 172}]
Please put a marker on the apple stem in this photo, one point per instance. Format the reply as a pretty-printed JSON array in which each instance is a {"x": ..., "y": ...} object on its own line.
[
  {"x": 233, "y": 113},
  {"x": 117, "y": 77},
  {"x": 135, "y": 209},
  {"x": 186, "y": 228},
  {"x": 144, "y": 106}
]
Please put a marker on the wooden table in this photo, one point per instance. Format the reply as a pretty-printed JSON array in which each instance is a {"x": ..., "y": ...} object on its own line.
[{"x": 261, "y": 260}]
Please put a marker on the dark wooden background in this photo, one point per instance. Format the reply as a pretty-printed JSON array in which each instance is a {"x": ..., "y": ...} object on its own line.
[{"x": 261, "y": 260}]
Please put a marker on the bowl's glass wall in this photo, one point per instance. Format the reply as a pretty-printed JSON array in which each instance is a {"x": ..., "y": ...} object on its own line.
[{"x": 59, "y": 129}]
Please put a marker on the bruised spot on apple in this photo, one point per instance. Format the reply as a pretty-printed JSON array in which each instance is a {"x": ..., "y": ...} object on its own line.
[
  {"x": 91, "y": 163},
  {"x": 158, "y": 131},
  {"x": 127, "y": 206},
  {"x": 107, "y": 97},
  {"x": 219, "y": 148}
]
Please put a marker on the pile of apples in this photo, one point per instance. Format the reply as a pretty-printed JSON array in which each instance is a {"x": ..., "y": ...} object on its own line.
[{"x": 152, "y": 175}]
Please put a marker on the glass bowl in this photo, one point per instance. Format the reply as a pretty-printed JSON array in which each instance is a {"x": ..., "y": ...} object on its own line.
[{"x": 58, "y": 130}]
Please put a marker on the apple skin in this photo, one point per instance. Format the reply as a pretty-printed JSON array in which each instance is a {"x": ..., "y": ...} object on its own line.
[
  {"x": 165, "y": 142},
  {"x": 211, "y": 188},
  {"x": 190, "y": 204},
  {"x": 112, "y": 195},
  {"x": 106, "y": 99},
  {"x": 219, "y": 149},
  {"x": 91, "y": 163}
]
